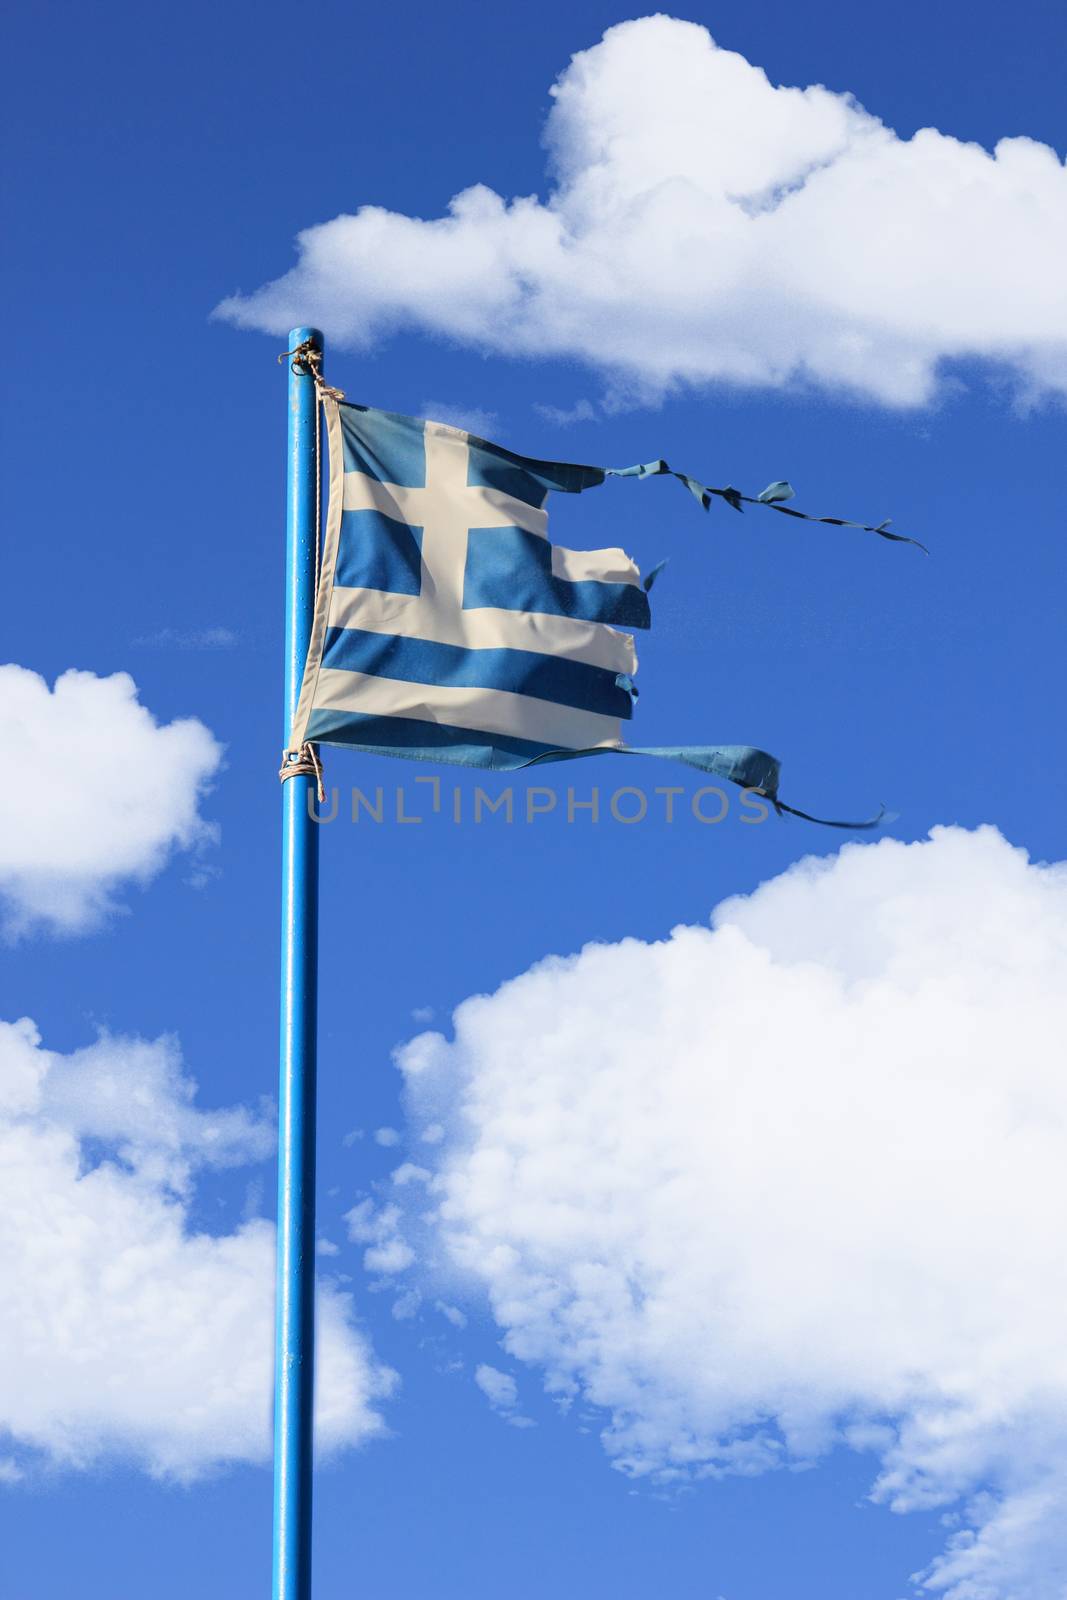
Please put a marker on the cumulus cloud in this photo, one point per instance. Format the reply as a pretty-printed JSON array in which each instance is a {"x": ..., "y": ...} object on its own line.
[
  {"x": 133, "y": 1096},
  {"x": 125, "y": 1330},
  {"x": 793, "y": 1181},
  {"x": 706, "y": 224},
  {"x": 109, "y": 793}
]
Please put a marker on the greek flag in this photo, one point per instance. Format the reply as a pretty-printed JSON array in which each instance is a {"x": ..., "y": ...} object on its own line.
[{"x": 448, "y": 627}]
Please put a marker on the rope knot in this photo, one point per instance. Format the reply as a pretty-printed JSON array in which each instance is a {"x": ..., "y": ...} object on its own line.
[
  {"x": 307, "y": 357},
  {"x": 303, "y": 763}
]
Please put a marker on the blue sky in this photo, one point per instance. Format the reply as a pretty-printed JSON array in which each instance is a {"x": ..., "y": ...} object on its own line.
[{"x": 159, "y": 165}]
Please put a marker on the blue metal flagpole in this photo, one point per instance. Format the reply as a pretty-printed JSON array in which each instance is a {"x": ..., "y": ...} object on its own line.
[{"x": 295, "y": 1324}]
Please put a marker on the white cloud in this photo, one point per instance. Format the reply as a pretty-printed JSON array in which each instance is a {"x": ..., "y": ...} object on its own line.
[
  {"x": 705, "y": 224},
  {"x": 105, "y": 795},
  {"x": 132, "y": 1095},
  {"x": 472, "y": 419},
  {"x": 566, "y": 416},
  {"x": 409, "y": 1172},
  {"x": 502, "y": 1392},
  {"x": 499, "y": 1388},
  {"x": 123, "y": 1330},
  {"x": 407, "y": 1305},
  {"x": 451, "y": 1314},
  {"x": 379, "y": 1229},
  {"x": 386, "y": 1136},
  {"x": 792, "y": 1181},
  {"x": 215, "y": 638}
]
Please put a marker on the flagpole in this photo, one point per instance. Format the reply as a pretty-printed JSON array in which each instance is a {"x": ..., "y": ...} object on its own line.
[{"x": 295, "y": 1314}]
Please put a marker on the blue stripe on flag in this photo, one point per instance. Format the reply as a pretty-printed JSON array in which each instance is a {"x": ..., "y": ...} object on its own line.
[
  {"x": 554, "y": 678},
  {"x": 511, "y": 569},
  {"x": 384, "y": 445},
  {"x": 490, "y": 466},
  {"x": 378, "y": 552},
  {"x": 416, "y": 740}
]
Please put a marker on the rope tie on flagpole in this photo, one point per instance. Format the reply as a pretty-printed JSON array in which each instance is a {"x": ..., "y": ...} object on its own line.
[
  {"x": 307, "y": 358},
  {"x": 303, "y": 763}
]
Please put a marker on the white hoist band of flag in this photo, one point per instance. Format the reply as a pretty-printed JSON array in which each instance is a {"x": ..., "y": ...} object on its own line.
[{"x": 448, "y": 628}]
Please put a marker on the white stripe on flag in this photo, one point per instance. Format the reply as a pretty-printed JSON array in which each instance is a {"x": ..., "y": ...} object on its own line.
[
  {"x": 594, "y": 566},
  {"x": 484, "y": 628},
  {"x": 483, "y": 710}
]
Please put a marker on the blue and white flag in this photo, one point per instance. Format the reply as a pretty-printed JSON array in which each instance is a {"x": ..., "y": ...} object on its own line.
[{"x": 447, "y": 626}]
